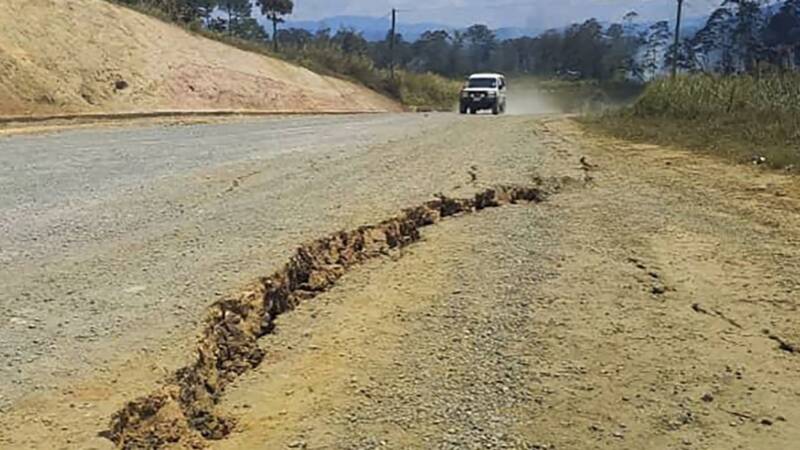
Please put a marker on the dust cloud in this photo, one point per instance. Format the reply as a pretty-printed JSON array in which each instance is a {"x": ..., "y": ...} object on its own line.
[
  {"x": 532, "y": 96},
  {"x": 527, "y": 98}
]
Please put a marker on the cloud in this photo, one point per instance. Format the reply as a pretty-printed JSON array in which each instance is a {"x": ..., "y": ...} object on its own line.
[{"x": 538, "y": 14}]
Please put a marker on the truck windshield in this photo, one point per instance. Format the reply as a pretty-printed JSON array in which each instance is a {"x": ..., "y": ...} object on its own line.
[{"x": 483, "y": 82}]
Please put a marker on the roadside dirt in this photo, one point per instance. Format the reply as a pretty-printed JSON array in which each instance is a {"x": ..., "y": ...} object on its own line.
[
  {"x": 649, "y": 305},
  {"x": 90, "y": 56},
  {"x": 642, "y": 311}
]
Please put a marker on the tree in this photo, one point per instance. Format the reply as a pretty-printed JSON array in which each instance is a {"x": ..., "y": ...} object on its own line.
[
  {"x": 351, "y": 42},
  {"x": 237, "y": 10},
  {"x": 629, "y": 22},
  {"x": 782, "y": 35},
  {"x": 506, "y": 56},
  {"x": 713, "y": 45},
  {"x": 655, "y": 49},
  {"x": 431, "y": 51},
  {"x": 685, "y": 56},
  {"x": 275, "y": 10},
  {"x": 750, "y": 23},
  {"x": 583, "y": 47},
  {"x": 249, "y": 29},
  {"x": 618, "y": 60},
  {"x": 481, "y": 42},
  {"x": 295, "y": 37},
  {"x": 186, "y": 11},
  {"x": 458, "y": 59},
  {"x": 547, "y": 54},
  {"x": 380, "y": 51}
]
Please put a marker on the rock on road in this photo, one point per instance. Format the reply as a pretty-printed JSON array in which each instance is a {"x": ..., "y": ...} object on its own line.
[{"x": 643, "y": 306}]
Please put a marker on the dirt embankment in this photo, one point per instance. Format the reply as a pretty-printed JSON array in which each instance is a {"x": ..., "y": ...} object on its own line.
[{"x": 89, "y": 56}]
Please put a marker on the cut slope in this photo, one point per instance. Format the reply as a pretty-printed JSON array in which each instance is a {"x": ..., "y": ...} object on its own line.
[{"x": 90, "y": 56}]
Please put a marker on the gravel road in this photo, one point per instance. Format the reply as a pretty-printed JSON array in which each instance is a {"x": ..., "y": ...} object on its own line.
[
  {"x": 113, "y": 239},
  {"x": 651, "y": 303}
]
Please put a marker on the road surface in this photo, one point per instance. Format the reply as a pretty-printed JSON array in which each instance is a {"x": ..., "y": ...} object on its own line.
[
  {"x": 649, "y": 302},
  {"x": 109, "y": 235}
]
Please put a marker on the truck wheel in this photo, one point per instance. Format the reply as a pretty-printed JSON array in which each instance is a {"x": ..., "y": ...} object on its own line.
[
  {"x": 462, "y": 109},
  {"x": 496, "y": 109}
]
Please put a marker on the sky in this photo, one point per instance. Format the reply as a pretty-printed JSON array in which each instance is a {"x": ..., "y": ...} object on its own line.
[{"x": 534, "y": 14}]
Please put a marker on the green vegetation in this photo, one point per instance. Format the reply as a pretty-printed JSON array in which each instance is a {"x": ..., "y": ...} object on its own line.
[
  {"x": 738, "y": 117},
  {"x": 331, "y": 56},
  {"x": 426, "y": 91}
]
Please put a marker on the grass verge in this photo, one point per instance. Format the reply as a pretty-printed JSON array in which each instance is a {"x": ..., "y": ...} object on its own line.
[{"x": 742, "y": 118}]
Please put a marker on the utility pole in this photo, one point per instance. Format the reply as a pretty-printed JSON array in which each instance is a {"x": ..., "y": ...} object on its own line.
[
  {"x": 230, "y": 30},
  {"x": 675, "y": 51},
  {"x": 391, "y": 42}
]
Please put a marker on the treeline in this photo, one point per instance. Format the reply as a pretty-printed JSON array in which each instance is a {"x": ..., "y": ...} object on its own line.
[
  {"x": 232, "y": 17},
  {"x": 740, "y": 36},
  {"x": 745, "y": 36}
]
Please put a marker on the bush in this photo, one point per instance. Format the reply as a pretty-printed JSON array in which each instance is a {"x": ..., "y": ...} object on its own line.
[
  {"x": 427, "y": 91},
  {"x": 419, "y": 91}
]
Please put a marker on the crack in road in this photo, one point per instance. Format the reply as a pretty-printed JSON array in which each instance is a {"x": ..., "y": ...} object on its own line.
[{"x": 183, "y": 410}]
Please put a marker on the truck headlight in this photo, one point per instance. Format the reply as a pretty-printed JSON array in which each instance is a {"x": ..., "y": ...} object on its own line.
[
  {"x": 465, "y": 94},
  {"x": 492, "y": 94}
]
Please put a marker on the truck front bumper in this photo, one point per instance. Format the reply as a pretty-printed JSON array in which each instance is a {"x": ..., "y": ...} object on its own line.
[{"x": 478, "y": 102}]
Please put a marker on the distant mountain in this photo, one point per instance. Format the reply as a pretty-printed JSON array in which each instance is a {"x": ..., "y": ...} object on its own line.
[
  {"x": 689, "y": 25},
  {"x": 376, "y": 28},
  {"x": 515, "y": 32},
  {"x": 373, "y": 28}
]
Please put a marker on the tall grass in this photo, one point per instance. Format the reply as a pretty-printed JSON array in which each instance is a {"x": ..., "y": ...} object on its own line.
[
  {"x": 740, "y": 117},
  {"x": 700, "y": 97},
  {"x": 421, "y": 91},
  {"x": 427, "y": 91}
]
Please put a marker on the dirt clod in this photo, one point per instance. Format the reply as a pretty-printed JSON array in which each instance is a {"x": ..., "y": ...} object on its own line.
[{"x": 659, "y": 289}]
